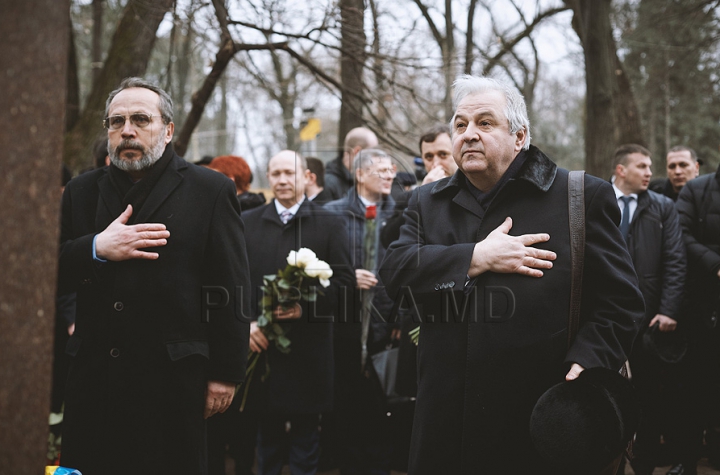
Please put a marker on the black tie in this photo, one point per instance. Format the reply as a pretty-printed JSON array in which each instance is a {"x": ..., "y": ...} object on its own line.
[{"x": 625, "y": 221}]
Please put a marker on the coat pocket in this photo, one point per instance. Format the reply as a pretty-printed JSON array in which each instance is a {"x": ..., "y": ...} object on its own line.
[{"x": 178, "y": 350}]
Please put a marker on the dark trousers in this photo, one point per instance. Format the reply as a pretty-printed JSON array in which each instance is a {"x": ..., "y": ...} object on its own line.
[
  {"x": 658, "y": 386},
  {"x": 701, "y": 368},
  {"x": 291, "y": 438},
  {"x": 233, "y": 433}
]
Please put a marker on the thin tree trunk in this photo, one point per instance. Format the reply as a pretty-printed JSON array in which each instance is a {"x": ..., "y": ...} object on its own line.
[
  {"x": 97, "y": 32},
  {"x": 469, "y": 42},
  {"x": 352, "y": 63},
  {"x": 72, "y": 97},
  {"x": 449, "y": 60}
]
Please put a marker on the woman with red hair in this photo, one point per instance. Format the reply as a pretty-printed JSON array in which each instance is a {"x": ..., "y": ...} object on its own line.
[{"x": 237, "y": 169}]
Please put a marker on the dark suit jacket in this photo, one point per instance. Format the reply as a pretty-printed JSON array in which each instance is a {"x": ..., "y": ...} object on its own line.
[
  {"x": 143, "y": 349},
  {"x": 488, "y": 350},
  {"x": 300, "y": 382}
]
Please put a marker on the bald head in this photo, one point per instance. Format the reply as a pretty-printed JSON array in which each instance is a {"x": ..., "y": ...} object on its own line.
[
  {"x": 286, "y": 175},
  {"x": 357, "y": 139}
]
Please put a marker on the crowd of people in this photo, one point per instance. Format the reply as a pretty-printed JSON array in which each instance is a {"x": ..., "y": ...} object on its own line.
[{"x": 162, "y": 263}]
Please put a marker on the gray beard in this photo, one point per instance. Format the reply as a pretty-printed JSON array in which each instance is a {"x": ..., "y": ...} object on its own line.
[{"x": 147, "y": 160}]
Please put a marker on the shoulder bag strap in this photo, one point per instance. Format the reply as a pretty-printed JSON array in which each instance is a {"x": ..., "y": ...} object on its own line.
[{"x": 576, "y": 210}]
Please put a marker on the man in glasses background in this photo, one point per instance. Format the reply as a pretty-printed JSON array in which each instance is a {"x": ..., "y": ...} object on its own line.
[{"x": 155, "y": 249}]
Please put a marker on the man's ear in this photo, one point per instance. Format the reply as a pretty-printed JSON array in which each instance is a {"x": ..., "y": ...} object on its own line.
[
  {"x": 520, "y": 138},
  {"x": 169, "y": 131},
  {"x": 620, "y": 170}
]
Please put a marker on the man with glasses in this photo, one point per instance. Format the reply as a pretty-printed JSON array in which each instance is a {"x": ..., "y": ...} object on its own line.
[
  {"x": 155, "y": 249},
  {"x": 362, "y": 424}
]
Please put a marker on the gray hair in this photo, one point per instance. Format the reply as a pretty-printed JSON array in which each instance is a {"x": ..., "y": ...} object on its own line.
[
  {"x": 515, "y": 108},
  {"x": 165, "y": 105},
  {"x": 365, "y": 157}
]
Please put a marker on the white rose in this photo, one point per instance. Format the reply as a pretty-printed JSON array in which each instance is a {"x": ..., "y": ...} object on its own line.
[
  {"x": 321, "y": 270},
  {"x": 292, "y": 258},
  {"x": 301, "y": 258}
]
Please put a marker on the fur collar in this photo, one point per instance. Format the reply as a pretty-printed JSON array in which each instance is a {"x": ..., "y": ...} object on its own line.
[{"x": 538, "y": 170}]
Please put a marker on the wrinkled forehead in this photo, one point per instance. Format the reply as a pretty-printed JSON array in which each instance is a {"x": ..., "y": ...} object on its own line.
[{"x": 135, "y": 99}]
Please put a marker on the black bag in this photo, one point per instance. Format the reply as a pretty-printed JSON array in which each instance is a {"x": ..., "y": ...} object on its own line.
[{"x": 385, "y": 368}]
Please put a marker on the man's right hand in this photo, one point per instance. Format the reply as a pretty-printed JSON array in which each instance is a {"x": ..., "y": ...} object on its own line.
[
  {"x": 502, "y": 253},
  {"x": 119, "y": 242},
  {"x": 434, "y": 175},
  {"x": 258, "y": 340},
  {"x": 365, "y": 279}
]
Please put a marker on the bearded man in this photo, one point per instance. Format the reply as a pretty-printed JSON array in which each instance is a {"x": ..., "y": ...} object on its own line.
[{"x": 155, "y": 249}]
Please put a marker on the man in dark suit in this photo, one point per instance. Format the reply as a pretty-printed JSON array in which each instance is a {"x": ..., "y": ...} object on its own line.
[
  {"x": 299, "y": 386},
  {"x": 651, "y": 228},
  {"x": 495, "y": 305},
  {"x": 363, "y": 426},
  {"x": 155, "y": 249}
]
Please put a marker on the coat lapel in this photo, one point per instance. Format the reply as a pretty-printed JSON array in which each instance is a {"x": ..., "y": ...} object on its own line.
[
  {"x": 162, "y": 190},
  {"x": 109, "y": 204}
]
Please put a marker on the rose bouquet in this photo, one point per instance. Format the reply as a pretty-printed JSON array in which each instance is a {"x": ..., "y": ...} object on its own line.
[{"x": 297, "y": 282}]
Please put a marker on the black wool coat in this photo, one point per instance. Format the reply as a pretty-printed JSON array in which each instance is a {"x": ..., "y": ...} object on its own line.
[
  {"x": 143, "y": 349},
  {"x": 488, "y": 352},
  {"x": 300, "y": 382}
]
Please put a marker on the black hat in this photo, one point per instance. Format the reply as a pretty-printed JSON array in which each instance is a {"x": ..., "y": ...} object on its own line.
[
  {"x": 669, "y": 347},
  {"x": 581, "y": 426}
]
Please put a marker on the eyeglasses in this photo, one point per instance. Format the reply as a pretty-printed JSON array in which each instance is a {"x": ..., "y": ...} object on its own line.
[{"x": 115, "y": 122}]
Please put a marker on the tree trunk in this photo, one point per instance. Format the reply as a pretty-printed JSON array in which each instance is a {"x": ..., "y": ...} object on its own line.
[
  {"x": 591, "y": 21},
  {"x": 469, "y": 34},
  {"x": 352, "y": 63},
  {"x": 448, "y": 51},
  {"x": 32, "y": 107},
  {"x": 72, "y": 98},
  {"x": 128, "y": 56},
  {"x": 629, "y": 125},
  {"x": 97, "y": 31}
]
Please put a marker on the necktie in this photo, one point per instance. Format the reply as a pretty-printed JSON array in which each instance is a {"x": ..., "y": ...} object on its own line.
[
  {"x": 285, "y": 216},
  {"x": 625, "y": 221}
]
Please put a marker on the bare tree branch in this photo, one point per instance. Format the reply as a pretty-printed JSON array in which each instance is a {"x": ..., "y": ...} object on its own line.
[
  {"x": 509, "y": 45},
  {"x": 439, "y": 38},
  {"x": 228, "y": 49}
]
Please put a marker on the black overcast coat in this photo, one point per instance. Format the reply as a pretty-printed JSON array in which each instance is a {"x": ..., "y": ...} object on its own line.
[
  {"x": 699, "y": 208},
  {"x": 480, "y": 375},
  {"x": 142, "y": 351},
  {"x": 300, "y": 382}
]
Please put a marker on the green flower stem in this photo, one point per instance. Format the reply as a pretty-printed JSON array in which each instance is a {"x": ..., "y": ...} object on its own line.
[{"x": 249, "y": 372}]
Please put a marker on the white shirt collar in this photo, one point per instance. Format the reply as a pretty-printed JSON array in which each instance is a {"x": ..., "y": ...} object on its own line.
[
  {"x": 619, "y": 193},
  {"x": 365, "y": 201},
  {"x": 293, "y": 209}
]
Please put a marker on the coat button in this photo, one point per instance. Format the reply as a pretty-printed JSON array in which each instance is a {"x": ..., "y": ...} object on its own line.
[
  {"x": 114, "y": 352},
  {"x": 118, "y": 306}
]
